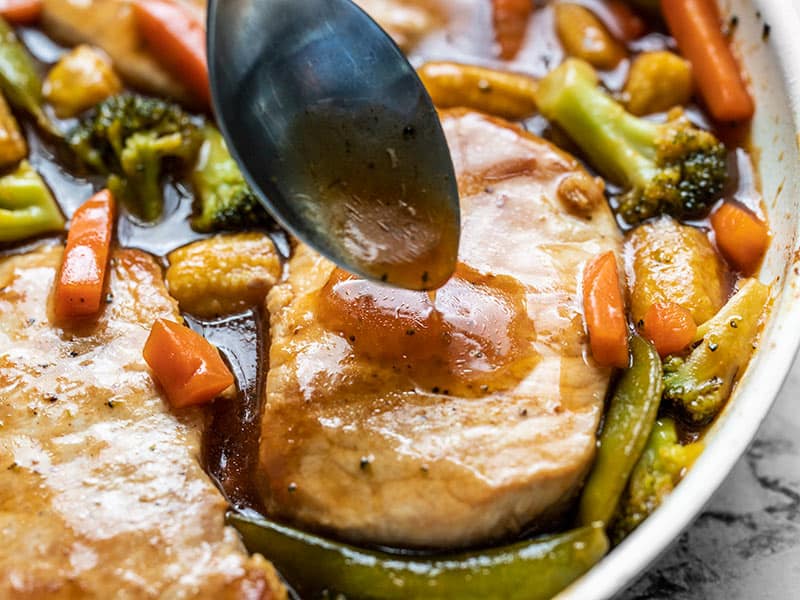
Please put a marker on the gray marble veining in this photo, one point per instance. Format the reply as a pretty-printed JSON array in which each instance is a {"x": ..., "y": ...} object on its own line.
[{"x": 747, "y": 543}]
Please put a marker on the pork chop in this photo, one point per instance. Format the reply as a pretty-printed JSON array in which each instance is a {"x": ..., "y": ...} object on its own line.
[
  {"x": 395, "y": 418},
  {"x": 101, "y": 491}
]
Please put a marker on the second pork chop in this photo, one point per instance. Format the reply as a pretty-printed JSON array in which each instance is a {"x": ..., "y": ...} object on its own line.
[{"x": 102, "y": 494}]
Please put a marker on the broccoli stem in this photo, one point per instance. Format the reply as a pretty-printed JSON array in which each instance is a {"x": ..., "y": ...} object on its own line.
[
  {"x": 701, "y": 383},
  {"x": 135, "y": 140},
  {"x": 620, "y": 145},
  {"x": 27, "y": 208},
  {"x": 673, "y": 167}
]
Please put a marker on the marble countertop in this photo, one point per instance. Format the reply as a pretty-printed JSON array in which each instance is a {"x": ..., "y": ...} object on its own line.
[{"x": 747, "y": 543}]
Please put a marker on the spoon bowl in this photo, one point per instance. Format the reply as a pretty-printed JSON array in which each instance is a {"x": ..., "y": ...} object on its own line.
[{"x": 337, "y": 136}]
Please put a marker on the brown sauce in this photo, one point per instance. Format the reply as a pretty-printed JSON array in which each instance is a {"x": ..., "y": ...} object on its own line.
[
  {"x": 231, "y": 440},
  {"x": 474, "y": 337},
  {"x": 233, "y": 430}
]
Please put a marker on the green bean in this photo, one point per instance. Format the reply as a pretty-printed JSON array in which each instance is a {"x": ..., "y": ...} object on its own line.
[
  {"x": 534, "y": 569},
  {"x": 629, "y": 420}
]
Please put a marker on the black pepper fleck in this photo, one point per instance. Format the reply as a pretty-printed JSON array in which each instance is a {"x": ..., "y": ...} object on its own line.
[
  {"x": 435, "y": 389},
  {"x": 734, "y": 324},
  {"x": 713, "y": 346},
  {"x": 410, "y": 332},
  {"x": 73, "y": 354},
  {"x": 364, "y": 462},
  {"x": 733, "y": 23},
  {"x": 523, "y": 412},
  {"x": 425, "y": 277},
  {"x": 765, "y": 31},
  {"x": 352, "y": 338},
  {"x": 385, "y": 277},
  {"x": 52, "y": 398},
  {"x": 109, "y": 298},
  {"x": 110, "y": 404}
]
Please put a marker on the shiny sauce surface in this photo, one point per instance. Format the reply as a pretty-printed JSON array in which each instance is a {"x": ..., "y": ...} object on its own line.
[{"x": 471, "y": 337}]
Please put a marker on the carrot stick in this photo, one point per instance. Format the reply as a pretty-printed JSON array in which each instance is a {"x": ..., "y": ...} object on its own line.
[
  {"x": 604, "y": 311},
  {"x": 186, "y": 365},
  {"x": 695, "y": 25},
  {"x": 510, "y": 19},
  {"x": 670, "y": 327},
  {"x": 741, "y": 236},
  {"x": 79, "y": 287},
  {"x": 21, "y": 12},
  {"x": 178, "y": 36}
]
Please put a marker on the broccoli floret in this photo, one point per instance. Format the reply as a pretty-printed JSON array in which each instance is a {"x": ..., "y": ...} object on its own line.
[
  {"x": 662, "y": 465},
  {"x": 225, "y": 201},
  {"x": 671, "y": 167},
  {"x": 27, "y": 208},
  {"x": 134, "y": 140},
  {"x": 700, "y": 383}
]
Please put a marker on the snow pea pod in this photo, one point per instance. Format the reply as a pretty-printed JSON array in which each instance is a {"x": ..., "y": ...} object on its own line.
[
  {"x": 19, "y": 80},
  {"x": 663, "y": 464},
  {"x": 629, "y": 421},
  {"x": 531, "y": 570}
]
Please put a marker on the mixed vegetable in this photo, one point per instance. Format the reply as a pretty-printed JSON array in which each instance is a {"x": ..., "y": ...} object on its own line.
[{"x": 678, "y": 315}]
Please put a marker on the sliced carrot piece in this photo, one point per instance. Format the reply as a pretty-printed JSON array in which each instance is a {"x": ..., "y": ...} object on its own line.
[
  {"x": 604, "y": 311},
  {"x": 695, "y": 25},
  {"x": 178, "y": 36},
  {"x": 741, "y": 236},
  {"x": 21, "y": 12},
  {"x": 185, "y": 364},
  {"x": 670, "y": 327},
  {"x": 625, "y": 24},
  {"x": 79, "y": 287},
  {"x": 510, "y": 19}
]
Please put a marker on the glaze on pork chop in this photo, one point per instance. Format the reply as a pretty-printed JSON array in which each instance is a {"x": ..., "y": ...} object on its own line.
[
  {"x": 102, "y": 494},
  {"x": 399, "y": 419}
]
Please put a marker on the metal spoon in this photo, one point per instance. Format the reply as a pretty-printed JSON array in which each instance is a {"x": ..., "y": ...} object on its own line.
[{"x": 337, "y": 135}]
